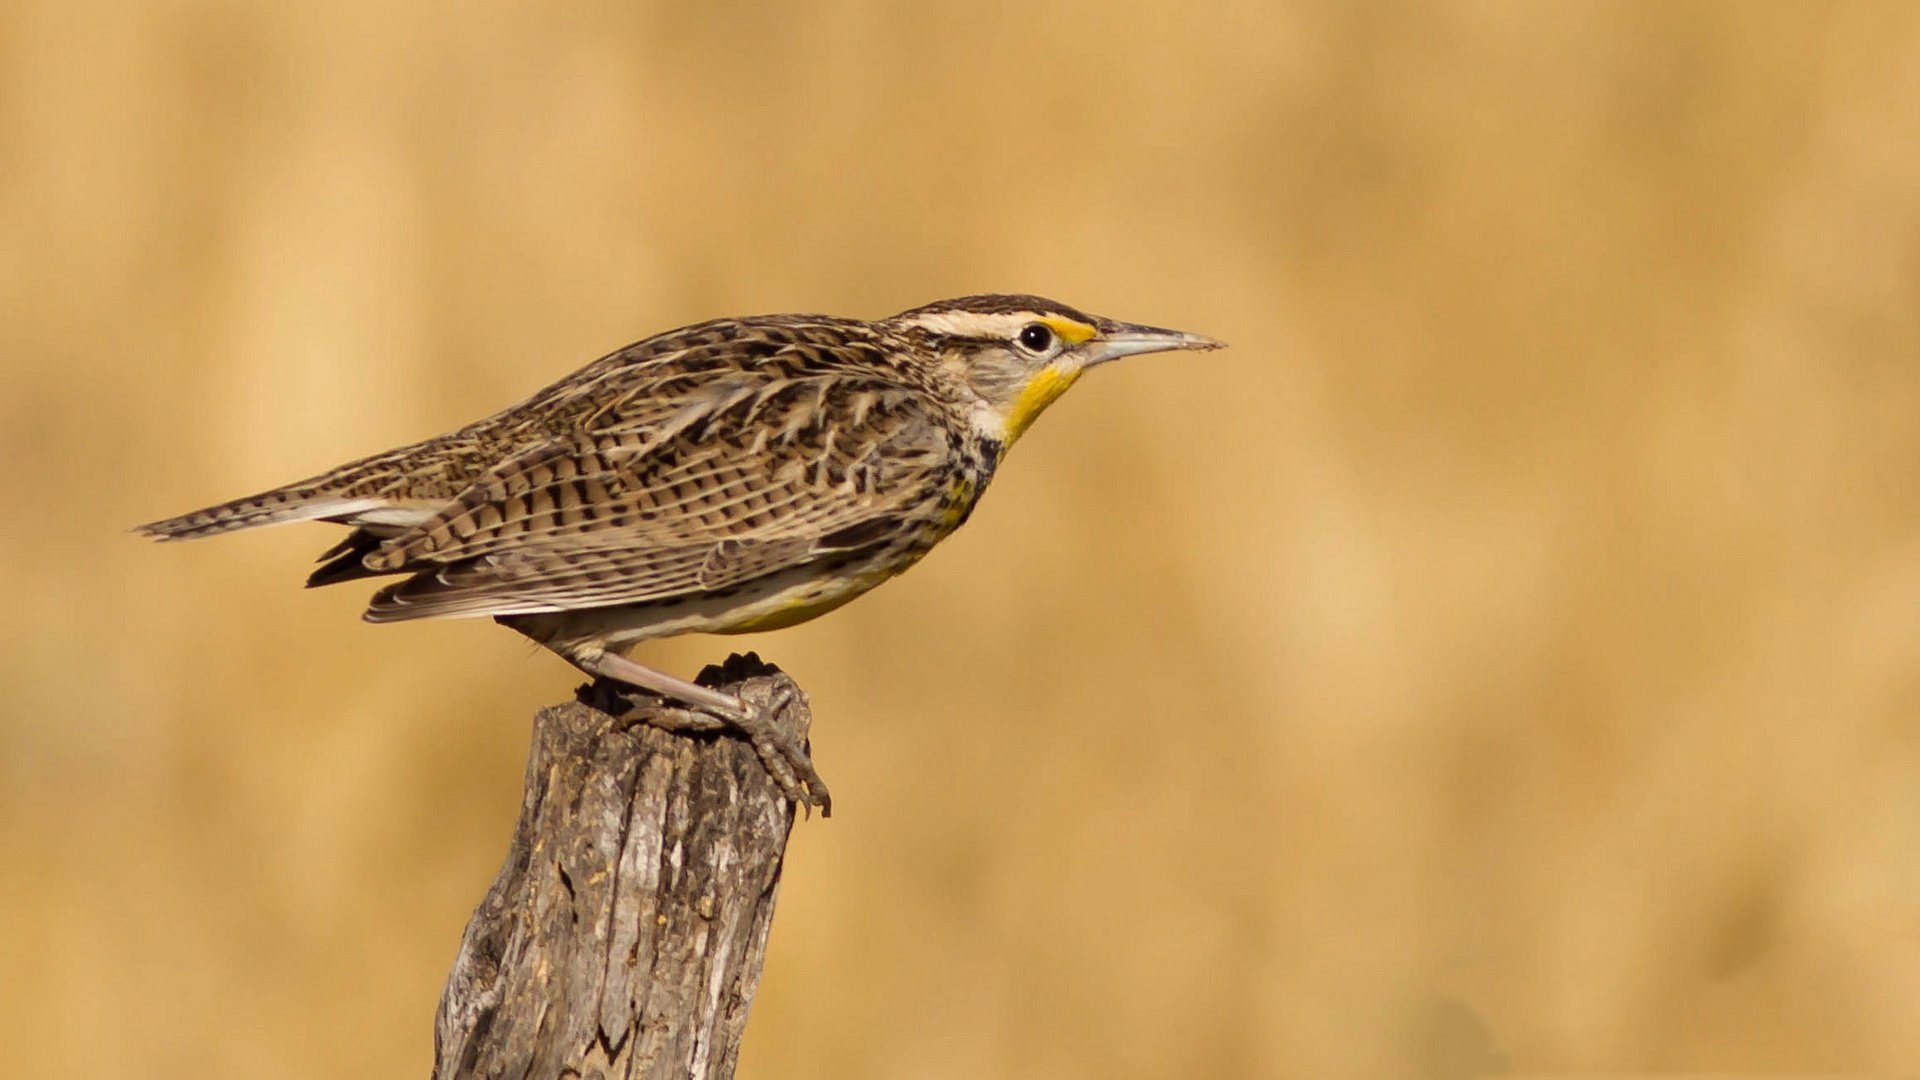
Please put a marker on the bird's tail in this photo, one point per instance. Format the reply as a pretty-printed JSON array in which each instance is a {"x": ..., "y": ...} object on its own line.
[
  {"x": 343, "y": 494},
  {"x": 304, "y": 501}
]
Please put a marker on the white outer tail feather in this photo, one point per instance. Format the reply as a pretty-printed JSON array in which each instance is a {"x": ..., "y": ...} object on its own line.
[{"x": 233, "y": 517}]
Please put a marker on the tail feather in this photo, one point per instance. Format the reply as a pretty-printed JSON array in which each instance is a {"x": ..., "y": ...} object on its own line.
[
  {"x": 342, "y": 561},
  {"x": 268, "y": 508},
  {"x": 391, "y": 490}
]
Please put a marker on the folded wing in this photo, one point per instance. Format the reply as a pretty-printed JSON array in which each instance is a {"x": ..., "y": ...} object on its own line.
[{"x": 680, "y": 485}]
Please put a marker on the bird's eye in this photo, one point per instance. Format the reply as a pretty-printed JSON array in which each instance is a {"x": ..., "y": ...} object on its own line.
[{"x": 1035, "y": 337}]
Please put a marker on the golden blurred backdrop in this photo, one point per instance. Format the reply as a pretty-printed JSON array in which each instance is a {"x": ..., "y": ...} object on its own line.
[{"x": 1504, "y": 655}]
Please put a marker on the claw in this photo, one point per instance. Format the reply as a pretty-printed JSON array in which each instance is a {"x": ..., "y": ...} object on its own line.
[{"x": 786, "y": 760}]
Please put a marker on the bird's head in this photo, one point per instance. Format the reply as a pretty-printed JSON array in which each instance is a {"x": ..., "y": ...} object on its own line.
[{"x": 1020, "y": 353}]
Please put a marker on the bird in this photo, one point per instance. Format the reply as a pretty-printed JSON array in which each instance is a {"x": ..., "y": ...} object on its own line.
[{"x": 735, "y": 475}]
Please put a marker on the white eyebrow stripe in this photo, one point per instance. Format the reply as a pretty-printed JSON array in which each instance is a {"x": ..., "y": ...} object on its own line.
[{"x": 973, "y": 324}]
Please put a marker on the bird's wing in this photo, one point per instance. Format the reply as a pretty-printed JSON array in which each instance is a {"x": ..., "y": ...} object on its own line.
[{"x": 687, "y": 482}]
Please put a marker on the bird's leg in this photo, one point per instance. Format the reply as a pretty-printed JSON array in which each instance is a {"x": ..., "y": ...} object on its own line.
[{"x": 785, "y": 758}]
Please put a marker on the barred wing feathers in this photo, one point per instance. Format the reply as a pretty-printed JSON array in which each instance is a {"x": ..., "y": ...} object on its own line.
[{"x": 687, "y": 480}]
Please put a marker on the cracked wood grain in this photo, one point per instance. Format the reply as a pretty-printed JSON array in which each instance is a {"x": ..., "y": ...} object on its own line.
[{"x": 625, "y": 933}]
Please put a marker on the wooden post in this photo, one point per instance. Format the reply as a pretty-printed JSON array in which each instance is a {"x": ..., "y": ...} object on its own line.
[{"x": 625, "y": 933}]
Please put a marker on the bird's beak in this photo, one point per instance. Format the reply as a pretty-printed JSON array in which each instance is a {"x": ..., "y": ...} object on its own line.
[{"x": 1126, "y": 339}]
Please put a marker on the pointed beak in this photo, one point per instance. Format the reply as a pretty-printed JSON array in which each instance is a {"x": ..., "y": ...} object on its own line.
[{"x": 1126, "y": 339}]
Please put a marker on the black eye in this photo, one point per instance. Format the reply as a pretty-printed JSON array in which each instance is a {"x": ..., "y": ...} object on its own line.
[{"x": 1036, "y": 337}]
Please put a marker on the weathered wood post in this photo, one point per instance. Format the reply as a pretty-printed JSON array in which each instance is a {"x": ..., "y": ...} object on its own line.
[{"x": 625, "y": 933}]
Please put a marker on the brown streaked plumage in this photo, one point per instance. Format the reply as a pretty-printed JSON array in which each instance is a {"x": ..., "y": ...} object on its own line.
[{"x": 735, "y": 475}]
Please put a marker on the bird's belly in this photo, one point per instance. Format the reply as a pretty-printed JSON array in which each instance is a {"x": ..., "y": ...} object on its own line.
[
  {"x": 779, "y": 601},
  {"x": 796, "y": 605}
]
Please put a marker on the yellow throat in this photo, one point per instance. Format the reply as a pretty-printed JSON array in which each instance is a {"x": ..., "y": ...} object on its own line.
[{"x": 1041, "y": 391}]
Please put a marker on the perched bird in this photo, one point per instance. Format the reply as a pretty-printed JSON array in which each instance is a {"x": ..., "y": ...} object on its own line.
[{"x": 736, "y": 475}]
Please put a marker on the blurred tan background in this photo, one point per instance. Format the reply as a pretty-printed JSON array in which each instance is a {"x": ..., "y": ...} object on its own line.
[{"x": 1505, "y": 654}]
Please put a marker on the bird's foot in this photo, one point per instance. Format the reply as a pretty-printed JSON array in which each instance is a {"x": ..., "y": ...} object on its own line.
[{"x": 782, "y": 754}]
